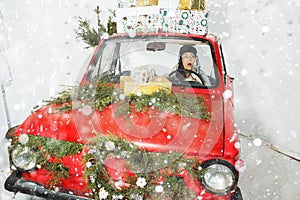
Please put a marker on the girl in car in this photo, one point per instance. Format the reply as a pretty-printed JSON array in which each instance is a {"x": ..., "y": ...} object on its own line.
[{"x": 187, "y": 63}]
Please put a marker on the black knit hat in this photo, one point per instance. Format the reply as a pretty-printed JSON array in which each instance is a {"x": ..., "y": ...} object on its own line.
[{"x": 187, "y": 48}]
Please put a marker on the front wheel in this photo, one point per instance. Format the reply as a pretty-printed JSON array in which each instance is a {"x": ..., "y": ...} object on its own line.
[{"x": 237, "y": 194}]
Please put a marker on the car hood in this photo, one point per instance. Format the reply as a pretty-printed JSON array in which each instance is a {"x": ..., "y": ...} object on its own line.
[{"x": 153, "y": 130}]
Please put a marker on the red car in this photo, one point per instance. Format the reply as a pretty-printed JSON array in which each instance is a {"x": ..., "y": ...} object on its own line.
[{"x": 136, "y": 127}]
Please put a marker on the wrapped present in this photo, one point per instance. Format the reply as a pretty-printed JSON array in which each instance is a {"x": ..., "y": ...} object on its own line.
[
  {"x": 142, "y": 74},
  {"x": 185, "y": 5},
  {"x": 140, "y": 19},
  {"x": 127, "y": 3},
  {"x": 128, "y": 86},
  {"x": 198, "y": 5},
  {"x": 147, "y": 2},
  {"x": 185, "y": 21},
  {"x": 135, "y": 3},
  {"x": 192, "y": 4}
]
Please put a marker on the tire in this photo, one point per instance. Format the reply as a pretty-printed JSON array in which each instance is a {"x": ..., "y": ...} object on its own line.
[{"x": 237, "y": 194}]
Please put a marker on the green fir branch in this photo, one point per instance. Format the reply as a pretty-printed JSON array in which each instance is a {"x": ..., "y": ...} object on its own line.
[
  {"x": 102, "y": 95},
  {"x": 45, "y": 148},
  {"x": 147, "y": 165},
  {"x": 92, "y": 35}
]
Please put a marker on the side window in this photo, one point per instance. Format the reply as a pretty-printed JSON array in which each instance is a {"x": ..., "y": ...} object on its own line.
[
  {"x": 103, "y": 62},
  {"x": 107, "y": 57},
  {"x": 206, "y": 63}
]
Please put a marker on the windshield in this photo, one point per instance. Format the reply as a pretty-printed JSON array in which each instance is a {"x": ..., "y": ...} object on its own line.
[{"x": 180, "y": 60}]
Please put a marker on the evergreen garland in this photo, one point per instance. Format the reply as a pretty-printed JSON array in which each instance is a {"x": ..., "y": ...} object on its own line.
[
  {"x": 149, "y": 170},
  {"x": 104, "y": 94},
  {"x": 154, "y": 169},
  {"x": 45, "y": 148},
  {"x": 182, "y": 104}
]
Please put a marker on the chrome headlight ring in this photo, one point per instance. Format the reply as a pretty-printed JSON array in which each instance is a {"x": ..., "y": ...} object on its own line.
[
  {"x": 219, "y": 176},
  {"x": 23, "y": 158}
]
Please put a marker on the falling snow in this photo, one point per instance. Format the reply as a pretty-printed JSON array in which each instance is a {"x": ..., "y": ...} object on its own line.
[
  {"x": 261, "y": 43},
  {"x": 257, "y": 142}
]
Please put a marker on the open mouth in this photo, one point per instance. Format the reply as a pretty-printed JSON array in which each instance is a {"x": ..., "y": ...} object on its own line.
[{"x": 189, "y": 65}]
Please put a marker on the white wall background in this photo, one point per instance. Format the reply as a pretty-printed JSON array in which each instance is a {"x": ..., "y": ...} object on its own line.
[{"x": 260, "y": 39}]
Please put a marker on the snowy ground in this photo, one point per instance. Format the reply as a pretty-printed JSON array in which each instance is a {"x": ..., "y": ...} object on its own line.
[{"x": 267, "y": 175}]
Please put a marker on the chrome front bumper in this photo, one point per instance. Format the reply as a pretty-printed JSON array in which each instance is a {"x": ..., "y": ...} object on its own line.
[{"x": 16, "y": 184}]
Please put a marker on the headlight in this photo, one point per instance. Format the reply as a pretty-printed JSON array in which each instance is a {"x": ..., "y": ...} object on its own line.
[
  {"x": 219, "y": 176},
  {"x": 23, "y": 158}
]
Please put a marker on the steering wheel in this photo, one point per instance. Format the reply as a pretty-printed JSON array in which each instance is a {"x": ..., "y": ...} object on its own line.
[{"x": 179, "y": 71}]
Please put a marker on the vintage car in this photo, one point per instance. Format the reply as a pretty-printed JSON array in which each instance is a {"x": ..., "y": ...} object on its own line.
[{"x": 134, "y": 128}]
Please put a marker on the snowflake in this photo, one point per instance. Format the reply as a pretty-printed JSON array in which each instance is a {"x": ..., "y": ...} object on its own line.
[
  {"x": 103, "y": 194},
  {"x": 141, "y": 182},
  {"x": 159, "y": 189},
  {"x": 117, "y": 197},
  {"x": 122, "y": 97},
  {"x": 119, "y": 184},
  {"x": 87, "y": 110},
  {"x": 23, "y": 139},
  {"x": 92, "y": 179},
  {"x": 110, "y": 146},
  {"x": 125, "y": 154},
  {"x": 257, "y": 142},
  {"x": 88, "y": 164},
  {"x": 136, "y": 197}
]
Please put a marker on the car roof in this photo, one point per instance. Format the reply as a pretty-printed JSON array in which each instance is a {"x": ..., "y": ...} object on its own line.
[{"x": 212, "y": 37}]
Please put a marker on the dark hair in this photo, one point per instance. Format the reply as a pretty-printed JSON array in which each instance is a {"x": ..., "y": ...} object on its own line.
[
  {"x": 180, "y": 74},
  {"x": 187, "y": 48}
]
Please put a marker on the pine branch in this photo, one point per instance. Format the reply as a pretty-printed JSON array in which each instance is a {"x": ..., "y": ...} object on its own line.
[{"x": 92, "y": 35}]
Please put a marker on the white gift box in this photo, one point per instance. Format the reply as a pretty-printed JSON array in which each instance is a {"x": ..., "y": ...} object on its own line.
[
  {"x": 126, "y": 3},
  {"x": 157, "y": 19},
  {"x": 139, "y": 19},
  {"x": 185, "y": 21},
  {"x": 142, "y": 74},
  {"x": 171, "y": 4}
]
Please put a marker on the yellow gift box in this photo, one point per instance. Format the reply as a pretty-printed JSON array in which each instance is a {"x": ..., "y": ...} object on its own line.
[
  {"x": 192, "y": 4},
  {"x": 147, "y": 3},
  {"x": 158, "y": 83}
]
